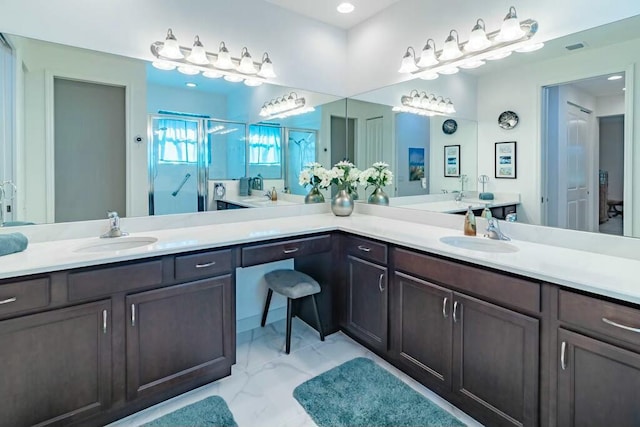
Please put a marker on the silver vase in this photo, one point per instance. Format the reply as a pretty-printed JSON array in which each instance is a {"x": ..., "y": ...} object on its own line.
[
  {"x": 342, "y": 204},
  {"x": 378, "y": 197},
  {"x": 314, "y": 196}
]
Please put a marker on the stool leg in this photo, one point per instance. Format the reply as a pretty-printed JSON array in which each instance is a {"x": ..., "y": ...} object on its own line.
[
  {"x": 289, "y": 314},
  {"x": 266, "y": 307},
  {"x": 315, "y": 310}
]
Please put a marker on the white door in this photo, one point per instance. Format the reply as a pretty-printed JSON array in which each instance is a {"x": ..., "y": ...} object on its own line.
[{"x": 579, "y": 169}]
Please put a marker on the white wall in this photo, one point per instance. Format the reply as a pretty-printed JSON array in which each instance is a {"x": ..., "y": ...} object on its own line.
[
  {"x": 40, "y": 62},
  {"x": 519, "y": 89},
  {"x": 305, "y": 53},
  {"x": 466, "y": 137},
  {"x": 185, "y": 101},
  {"x": 609, "y": 105},
  {"x": 412, "y": 131}
]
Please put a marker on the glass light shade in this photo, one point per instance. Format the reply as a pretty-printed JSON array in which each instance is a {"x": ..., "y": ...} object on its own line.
[
  {"x": 266, "y": 68},
  {"x": 408, "y": 62},
  {"x": 472, "y": 63},
  {"x": 530, "y": 47},
  {"x": 212, "y": 74},
  {"x": 499, "y": 55},
  {"x": 224, "y": 61},
  {"x": 233, "y": 78},
  {"x": 510, "y": 29},
  {"x": 198, "y": 55},
  {"x": 246, "y": 63},
  {"x": 478, "y": 39},
  {"x": 188, "y": 70},
  {"x": 170, "y": 49},
  {"x": 449, "y": 70},
  {"x": 163, "y": 65},
  {"x": 429, "y": 76},
  {"x": 428, "y": 55},
  {"x": 253, "y": 82},
  {"x": 451, "y": 49}
]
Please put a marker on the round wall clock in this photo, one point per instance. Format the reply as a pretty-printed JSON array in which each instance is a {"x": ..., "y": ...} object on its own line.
[
  {"x": 449, "y": 126},
  {"x": 508, "y": 120}
]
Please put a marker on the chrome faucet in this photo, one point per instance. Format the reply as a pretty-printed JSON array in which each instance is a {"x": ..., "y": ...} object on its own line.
[
  {"x": 493, "y": 230},
  {"x": 114, "y": 226},
  {"x": 459, "y": 196}
]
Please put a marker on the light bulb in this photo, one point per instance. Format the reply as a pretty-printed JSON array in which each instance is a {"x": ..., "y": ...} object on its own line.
[
  {"x": 170, "y": 49},
  {"x": 478, "y": 39},
  {"x": 266, "y": 68},
  {"x": 163, "y": 65},
  {"x": 408, "y": 61},
  {"x": 253, "y": 82},
  {"x": 246, "y": 63},
  {"x": 451, "y": 49},
  {"x": 212, "y": 74},
  {"x": 428, "y": 55},
  {"x": 510, "y": 29},
  {"x": 188, "y": 70},
  {"x": 233, "y": 78},
  {"x": 223, "y": 61},
  {"x": 198, "y": 55}
]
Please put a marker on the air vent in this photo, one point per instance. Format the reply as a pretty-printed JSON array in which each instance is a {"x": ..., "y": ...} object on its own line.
[{"x": 575, "y": 46}]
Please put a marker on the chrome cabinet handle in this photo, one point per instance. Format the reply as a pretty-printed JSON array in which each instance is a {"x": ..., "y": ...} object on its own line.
[
  {"x": 104, "y": 321},
  {"x": 133, "y": 315},
  {"x": 290, "y": 251},
  {"x": 618, "y": 325},
  {"x": 455, "y": 311},
  {"x": 380, "y": 283},
  {"x": 563, "y": 350},
  {"x": 364, "y": 248},
  {"x": 9, "y": 300},
  {"x": 206, "y": 264},
  {"x": 444, "y": 307}
]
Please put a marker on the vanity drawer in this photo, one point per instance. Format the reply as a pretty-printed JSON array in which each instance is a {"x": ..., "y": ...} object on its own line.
[
  {"x": 603, "y": 317},
  {"x": 24, "y": 295},
  {"x": 269, "y": 252},
  {"x": 111, "y": 280},
  {"x": 366, "y": 249},
  {"x": 508, "y": 290},
  {"x": 203, "y": 264}
]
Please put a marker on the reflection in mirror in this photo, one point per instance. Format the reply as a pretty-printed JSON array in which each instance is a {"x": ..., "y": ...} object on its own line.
[{"x": 156, "y": 148}]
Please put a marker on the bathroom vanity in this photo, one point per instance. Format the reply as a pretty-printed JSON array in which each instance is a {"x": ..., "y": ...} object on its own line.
[{"x": 100, "y": 336}]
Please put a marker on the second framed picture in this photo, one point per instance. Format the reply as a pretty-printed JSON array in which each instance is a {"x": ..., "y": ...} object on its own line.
[
  {"x": 451, "y": 160},
  {"x": 506, "y": 159}
]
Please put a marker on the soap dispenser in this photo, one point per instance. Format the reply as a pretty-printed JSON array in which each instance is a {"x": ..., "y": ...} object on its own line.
[
  {"x": 486, "y": 213},
  {"x": 274, "y": 194},
  {"x": 469, "y": 223}
]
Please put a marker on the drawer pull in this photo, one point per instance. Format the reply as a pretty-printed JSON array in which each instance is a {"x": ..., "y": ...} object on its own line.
[
  {"x": 444, "y": 307},
  {"x": 364, "y": 248},
  {"x": 104, "y": 321},
  {"x": 455, "y": 311},
  {"x": 9, "y": 300},
  {"x": 290, "y": 251},
  {"x": 380, "y": 283},
  {"x": 206, "y": 264},
  {"x": 133, "y": 315},
  {"x": 563, "y": 351},
  {"x": 618, "y": 325}
]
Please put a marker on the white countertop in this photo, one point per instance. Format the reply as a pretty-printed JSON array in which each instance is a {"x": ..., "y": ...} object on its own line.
[
  {"x": 606, "y": 275},
  {"x": 446, "y": 203}
]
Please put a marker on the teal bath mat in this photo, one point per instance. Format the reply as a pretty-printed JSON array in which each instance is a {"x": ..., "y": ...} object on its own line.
[
  {"x": 361, "y": 393},
  {"x": 210, "y": 412}
]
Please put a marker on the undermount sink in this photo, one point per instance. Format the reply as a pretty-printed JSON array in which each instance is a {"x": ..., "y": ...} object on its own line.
[
  {"x": 481, "y": 244},
  {"x": 116, "y": 244}
]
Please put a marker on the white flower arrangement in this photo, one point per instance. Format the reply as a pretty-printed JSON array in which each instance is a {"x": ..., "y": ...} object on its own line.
[
  {"x": 345, "y": 174},
  {"x": 378, "y": 175},
  {"x": 316, "y": 175}
]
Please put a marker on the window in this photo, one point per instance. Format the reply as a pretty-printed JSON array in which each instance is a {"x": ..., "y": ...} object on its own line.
[
  {"x": 265, "y": 145},
  {"x": 177, "y": 141}
]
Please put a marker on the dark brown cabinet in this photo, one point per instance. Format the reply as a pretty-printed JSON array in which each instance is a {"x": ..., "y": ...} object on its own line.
[
  {"x": 56, "y": 365},
  {"x": 179, "y": 333},
  {"x": 366, "y": 302}
]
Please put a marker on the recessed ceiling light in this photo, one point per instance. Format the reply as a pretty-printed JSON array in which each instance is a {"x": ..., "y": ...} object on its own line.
[
  {"x": 616, "y": 77},
  {"x": 345, "y": 7},
  {"x": 190, "y": 84},
  {"x": 624, "y": 88}
]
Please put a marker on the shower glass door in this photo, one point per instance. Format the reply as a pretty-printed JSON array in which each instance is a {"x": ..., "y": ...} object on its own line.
[
  {"x": 177, "y": 174},
  {"x": 301, "y": 149}
]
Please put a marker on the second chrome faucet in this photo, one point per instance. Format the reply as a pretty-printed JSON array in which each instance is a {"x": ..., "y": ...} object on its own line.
[
  {"x": 493, "y": 230},
  {"x": 114, "y": 226}
]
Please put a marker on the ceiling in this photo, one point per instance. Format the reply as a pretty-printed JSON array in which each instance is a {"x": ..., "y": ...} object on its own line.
[
  {"x": 325, "y": 10},
  {"x": 601, "y": 86}
]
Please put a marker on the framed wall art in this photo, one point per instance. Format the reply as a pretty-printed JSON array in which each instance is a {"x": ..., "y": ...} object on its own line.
[
  {"x": 506, "y": 159},
  {"x": 451, "y": 160},
  {"x": 416, "y": 164}
]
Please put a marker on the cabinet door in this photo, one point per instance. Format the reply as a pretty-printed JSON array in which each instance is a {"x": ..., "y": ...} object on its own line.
[
  {"x": 178, "y": 334},
  {"x": 495, "y": 362},
  {"x": 56, "y": 366},
  {"x": 422, "y": 330},
  {"x": 597, "y": 383},
  {"x": 367, "y": 302}
]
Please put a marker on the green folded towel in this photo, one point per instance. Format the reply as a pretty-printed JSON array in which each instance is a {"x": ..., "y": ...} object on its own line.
[{"x": 12, "y": 242}]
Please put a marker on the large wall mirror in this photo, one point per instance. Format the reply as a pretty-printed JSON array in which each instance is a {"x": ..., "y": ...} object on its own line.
[
  {"x": 98, "y": 132},
  {"x": 575, "y": 131}
]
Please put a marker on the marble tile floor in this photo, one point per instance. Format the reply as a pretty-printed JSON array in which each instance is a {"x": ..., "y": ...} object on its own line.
[{"x": 259, "y": 391}]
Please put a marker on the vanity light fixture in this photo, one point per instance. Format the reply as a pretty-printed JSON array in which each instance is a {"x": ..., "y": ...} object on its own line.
[
  {"x": 287, "y": 105},
  {"x": 513, "y": 36},
  {"x": 169, "y": 55},
  {"x": 425, "y": 105}
]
